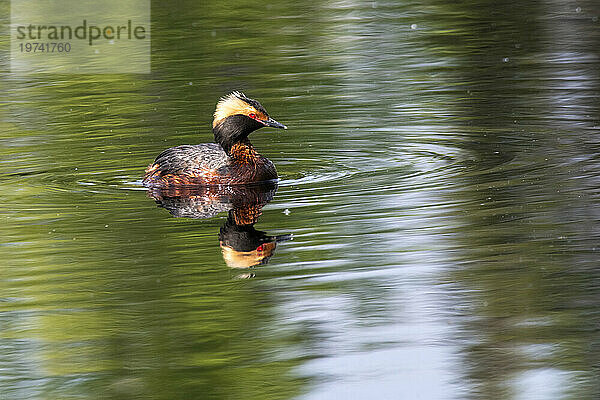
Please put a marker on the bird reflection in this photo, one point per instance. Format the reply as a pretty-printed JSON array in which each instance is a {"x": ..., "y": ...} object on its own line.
[{"x": 241, "y": 244}]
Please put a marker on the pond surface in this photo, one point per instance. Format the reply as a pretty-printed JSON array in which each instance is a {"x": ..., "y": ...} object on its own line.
[{"x": 440, "y": 180}]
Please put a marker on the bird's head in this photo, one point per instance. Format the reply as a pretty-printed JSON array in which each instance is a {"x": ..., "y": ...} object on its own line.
[{"x": 236, "y": 116}]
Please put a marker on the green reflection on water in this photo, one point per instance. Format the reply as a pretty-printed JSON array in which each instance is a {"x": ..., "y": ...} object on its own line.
[{"x": 454, "y": 158}]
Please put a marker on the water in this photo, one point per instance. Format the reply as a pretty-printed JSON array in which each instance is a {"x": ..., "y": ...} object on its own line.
[{"x": 439, "y": 180}]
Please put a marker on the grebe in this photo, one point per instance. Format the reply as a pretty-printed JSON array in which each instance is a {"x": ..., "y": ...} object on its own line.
[{"x": 232, "y": 160}]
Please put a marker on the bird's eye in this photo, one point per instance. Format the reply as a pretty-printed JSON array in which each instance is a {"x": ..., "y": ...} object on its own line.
[{"x": 252, "y": 115}]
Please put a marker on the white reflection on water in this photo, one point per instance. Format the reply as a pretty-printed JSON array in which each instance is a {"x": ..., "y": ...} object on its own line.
[{"x": 542, "y": 384}]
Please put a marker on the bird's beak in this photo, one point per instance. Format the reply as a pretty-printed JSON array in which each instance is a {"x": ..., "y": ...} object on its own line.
[{"x": 273, "y": 124}]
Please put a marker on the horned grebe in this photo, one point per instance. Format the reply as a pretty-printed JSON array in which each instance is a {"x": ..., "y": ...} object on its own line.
[{"x": 232, "y": 160}]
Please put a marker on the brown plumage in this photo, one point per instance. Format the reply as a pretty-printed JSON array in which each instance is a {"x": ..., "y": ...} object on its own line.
[{"x": 232, "y": 160}]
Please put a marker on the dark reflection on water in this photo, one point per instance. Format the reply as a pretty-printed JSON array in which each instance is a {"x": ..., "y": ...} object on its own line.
[
  {"x": 440, "y": 178},
  {"x": 241, "y": 244}
]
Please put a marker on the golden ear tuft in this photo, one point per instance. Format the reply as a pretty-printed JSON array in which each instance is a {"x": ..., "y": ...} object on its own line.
[{"x": 232, "y": 104}]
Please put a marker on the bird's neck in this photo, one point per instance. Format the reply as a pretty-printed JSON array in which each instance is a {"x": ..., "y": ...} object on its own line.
[
  {"x": 233, "y": 132},
  {"x": 242, "y": 151}
]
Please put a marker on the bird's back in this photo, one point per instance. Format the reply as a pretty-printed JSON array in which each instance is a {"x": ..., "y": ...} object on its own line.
[{"x": 188, "y": 164}]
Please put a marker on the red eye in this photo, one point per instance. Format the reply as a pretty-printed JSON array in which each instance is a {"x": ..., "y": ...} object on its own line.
[{"x": 252, "y": 115}]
